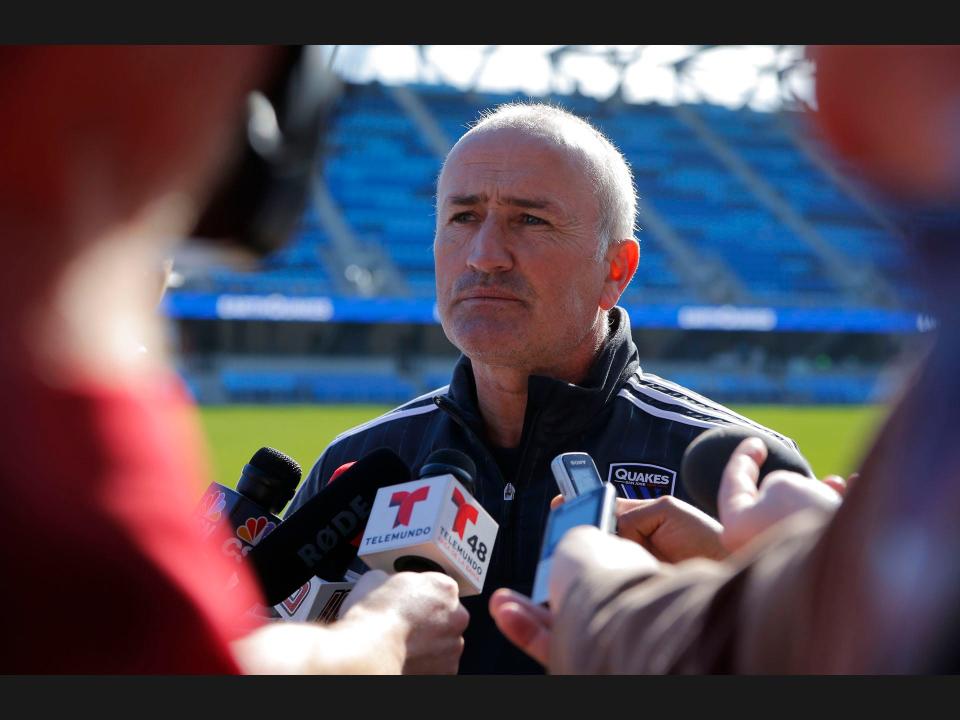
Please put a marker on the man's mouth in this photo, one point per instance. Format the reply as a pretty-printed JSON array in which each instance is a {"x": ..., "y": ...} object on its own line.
[{"x": 488, "y": 295}]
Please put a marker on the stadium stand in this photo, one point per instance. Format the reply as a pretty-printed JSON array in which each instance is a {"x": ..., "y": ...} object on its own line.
[{"x": 768, "y": 217}]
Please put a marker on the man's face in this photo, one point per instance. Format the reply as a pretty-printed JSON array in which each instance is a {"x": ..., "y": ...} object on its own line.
[{"x": 518, "y": 282}]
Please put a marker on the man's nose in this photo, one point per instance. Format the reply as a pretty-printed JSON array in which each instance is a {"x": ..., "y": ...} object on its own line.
[{"x": 489, "y": 252}]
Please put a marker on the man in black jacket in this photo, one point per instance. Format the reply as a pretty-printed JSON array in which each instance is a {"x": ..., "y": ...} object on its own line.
[{"x": 534, "y": 246}]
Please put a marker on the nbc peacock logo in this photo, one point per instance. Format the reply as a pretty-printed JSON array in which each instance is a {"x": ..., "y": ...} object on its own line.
[
  {"x": 255, "y": 529},
  {"x": 211, "y": 506}
]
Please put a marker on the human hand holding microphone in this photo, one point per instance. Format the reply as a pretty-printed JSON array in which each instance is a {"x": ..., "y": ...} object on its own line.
[
  {"x": 669, "y": 530},
  {"x": 410, "y": 622}
]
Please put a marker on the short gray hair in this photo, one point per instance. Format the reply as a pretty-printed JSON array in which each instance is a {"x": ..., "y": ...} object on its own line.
[{"x": 611, "y": 175}]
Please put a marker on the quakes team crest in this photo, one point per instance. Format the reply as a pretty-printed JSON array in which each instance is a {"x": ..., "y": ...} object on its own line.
[{"x": 642, "y": 481}]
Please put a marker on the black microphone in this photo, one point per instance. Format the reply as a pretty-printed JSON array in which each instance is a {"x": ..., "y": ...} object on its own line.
[
  {"x": 266, "y": 485},
  {"x": 321, "y": 537},
  {"x": 705, "y": 458},
  {"x": 448, "y": 461}
]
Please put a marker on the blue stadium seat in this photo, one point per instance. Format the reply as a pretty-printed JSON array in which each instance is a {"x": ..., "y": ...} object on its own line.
[
  {"x": 381, "y": 173},
  {"x": 279, "y": 386}
]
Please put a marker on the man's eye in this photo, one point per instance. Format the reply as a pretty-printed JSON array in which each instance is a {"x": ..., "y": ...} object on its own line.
[
  {"x": 462, "y": 217},
  {"x": 527, "y": 219}
]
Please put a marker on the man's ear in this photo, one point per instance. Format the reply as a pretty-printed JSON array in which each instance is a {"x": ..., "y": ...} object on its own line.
[{"x": 621, "y": 260}]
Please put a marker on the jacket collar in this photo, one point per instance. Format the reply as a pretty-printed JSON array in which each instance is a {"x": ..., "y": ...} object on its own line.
[{"x": 554, "y": 406}]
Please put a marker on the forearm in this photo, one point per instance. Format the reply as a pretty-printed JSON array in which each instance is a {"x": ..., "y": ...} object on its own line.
[
  {"x": 359, "y": 644},
  {"x": 629, "y": 622},
  {"x": 695, "y": 617}
]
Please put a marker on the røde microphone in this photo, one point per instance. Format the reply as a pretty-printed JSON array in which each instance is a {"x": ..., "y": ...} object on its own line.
[
  {"x": 316, "y": 600},
  {"x": 266, "y": 485},
  {"x": 705, "y": 458},
  {"x": 320, "y": 538},
  {"x": 433, "y": 524}
]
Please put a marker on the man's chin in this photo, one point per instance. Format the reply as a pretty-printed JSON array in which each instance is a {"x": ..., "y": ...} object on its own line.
[{"x": 491, "y": 342}]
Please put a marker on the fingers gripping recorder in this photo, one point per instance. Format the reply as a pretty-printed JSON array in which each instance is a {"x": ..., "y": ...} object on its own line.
[
  {"x": 587, "y": 500},
  {"x": 433, "y": 523}
]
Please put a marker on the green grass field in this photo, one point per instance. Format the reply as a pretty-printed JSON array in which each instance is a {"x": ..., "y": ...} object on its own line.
[{"x": 831, "y": 437}]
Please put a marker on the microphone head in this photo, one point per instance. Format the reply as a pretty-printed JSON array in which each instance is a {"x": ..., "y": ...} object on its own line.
[
  {"x": 322, "y": 535},
  {"x": 448, "y": 461},
  {"x": 705, "y": 458},
  {"x": 269, "y": 479}
]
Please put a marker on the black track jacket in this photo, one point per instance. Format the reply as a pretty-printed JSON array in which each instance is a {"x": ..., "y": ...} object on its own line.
[{"x": 634, "y": 425}]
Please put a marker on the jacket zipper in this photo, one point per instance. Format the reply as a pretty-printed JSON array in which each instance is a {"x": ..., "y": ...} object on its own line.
[
  {"x": 505, "y": 534},
  {"x": 513, "y": 508},
  {"x": 452, "y": 411}
]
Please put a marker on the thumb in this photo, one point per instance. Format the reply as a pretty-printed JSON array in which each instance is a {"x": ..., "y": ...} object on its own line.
[
  {"x": 738, "y": 485},
  {"x": 524, "y": 624}
]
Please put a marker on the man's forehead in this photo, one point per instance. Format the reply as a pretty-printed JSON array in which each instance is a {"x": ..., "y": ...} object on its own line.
[
  {"x": 508, "y": 142},
  {"x": 512, "y": 156}
]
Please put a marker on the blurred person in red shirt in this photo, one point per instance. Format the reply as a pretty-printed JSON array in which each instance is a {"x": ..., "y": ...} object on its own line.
[{"x": 109, "y": 155}]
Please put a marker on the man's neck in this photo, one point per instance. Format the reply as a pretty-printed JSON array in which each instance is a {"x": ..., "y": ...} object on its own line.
[{"x": 502, "y": 390}]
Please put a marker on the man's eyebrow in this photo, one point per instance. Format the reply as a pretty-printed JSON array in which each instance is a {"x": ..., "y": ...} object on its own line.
[
  {"x": 466, "y": 199},
  {"x": 528, "y": 203}
]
